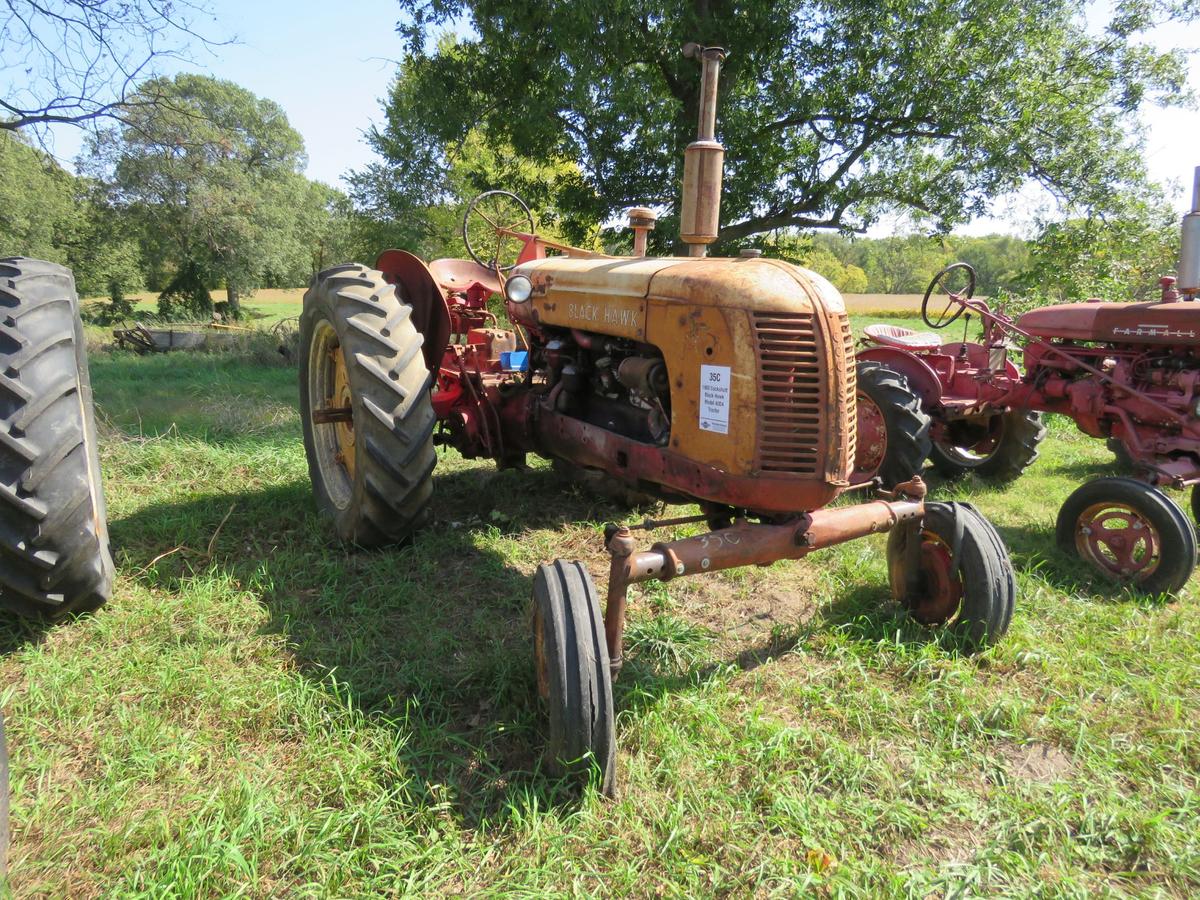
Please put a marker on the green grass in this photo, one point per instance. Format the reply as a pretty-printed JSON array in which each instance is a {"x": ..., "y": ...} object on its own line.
[
  {"x": 259, "y": 712},
  {"x": 261, "y": 308}
]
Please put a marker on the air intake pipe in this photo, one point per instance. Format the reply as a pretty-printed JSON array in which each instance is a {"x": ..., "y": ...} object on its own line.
[
  {"x": 1189, "y": 251},
  {"x": 700, "y": 215}
]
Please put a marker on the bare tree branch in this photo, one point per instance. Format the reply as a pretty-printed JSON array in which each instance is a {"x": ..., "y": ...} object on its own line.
[{"x": 78, "y": 61}]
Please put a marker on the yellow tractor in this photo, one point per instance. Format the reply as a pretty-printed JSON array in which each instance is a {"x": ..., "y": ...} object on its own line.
[{"x": 727, "y": 383}]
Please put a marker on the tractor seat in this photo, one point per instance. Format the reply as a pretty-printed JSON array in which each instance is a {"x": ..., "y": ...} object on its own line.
[
  {"x": 460, "y": 274},
  {"x": 904, "y": 338}
]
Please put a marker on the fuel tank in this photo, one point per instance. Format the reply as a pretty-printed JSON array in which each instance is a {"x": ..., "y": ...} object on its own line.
[
  {"x": 760, "y": 358},
  {"x": 1124, "y": 323}
]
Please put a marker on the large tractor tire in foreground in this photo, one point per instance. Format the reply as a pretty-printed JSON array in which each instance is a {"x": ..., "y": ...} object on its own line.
[
  {"x": 365, "y": 407},
  {"x": 54, "y": 554}
]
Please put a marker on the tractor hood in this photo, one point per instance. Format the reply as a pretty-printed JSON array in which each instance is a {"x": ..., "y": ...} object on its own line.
[
  {"x": 609, "y": 294},
  {"x": 1136, "y": 323}
]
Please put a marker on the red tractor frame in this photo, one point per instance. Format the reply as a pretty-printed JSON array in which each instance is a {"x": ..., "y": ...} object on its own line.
[{"x": 1125, "y": 372}]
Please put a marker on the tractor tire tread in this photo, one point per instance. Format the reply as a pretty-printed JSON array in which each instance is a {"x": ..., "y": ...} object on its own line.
[
  {"x": 989, "y": 584},
  {"x": 394, "y": 419},
  {"x": 907, "y": 425},
  {"x": 582, "y": 720},
  {"x": 53, "y": 534},
  {"x": 1016, "y": 451}
]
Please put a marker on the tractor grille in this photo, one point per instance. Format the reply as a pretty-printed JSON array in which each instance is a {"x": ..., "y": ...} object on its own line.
[
  {"x": 847, "y": 404},
  {"x": 790, "y": 389}
]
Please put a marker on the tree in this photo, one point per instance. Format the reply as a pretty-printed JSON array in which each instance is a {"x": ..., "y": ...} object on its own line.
[
  {"x": 74, "y": 61},
  {"x": 998, "y": 259},
  {"x": 36, "y": 202},
  {"x": 213, "y": 177},
  {"x": 803, "y": 250},
  {"x": 1118, "y": 256},
  {"x": 904, "y": 264},
  {"x": 833, "y": 111},
  {"x": 426, "y": 215}
]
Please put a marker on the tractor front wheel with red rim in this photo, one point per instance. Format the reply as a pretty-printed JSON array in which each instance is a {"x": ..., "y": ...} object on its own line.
[
  {"x": 573, "y": 676},
  {"x": 964, "y": 581},
  {"x": 1131, "y": 532}
]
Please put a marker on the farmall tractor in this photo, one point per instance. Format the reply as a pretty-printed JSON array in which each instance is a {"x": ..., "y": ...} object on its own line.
[
  {"x": 729, "y": 383},
  {"x": 1126, "y": 372}
]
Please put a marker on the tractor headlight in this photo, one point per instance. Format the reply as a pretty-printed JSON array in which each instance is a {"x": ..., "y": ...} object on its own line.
[{"x": 518, "y": 289}]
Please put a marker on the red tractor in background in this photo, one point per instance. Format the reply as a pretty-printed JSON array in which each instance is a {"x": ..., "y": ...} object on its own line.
[{"x": 1126, "y": 372}]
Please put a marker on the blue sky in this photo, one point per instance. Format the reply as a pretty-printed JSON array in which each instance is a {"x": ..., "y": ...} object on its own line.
[{"x": 329, "y": 65}]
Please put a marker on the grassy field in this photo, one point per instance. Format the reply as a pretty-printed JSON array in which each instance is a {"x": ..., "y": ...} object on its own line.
[
  {"x": 261, "y": 713},
  {"x": 262, "y": 308}
]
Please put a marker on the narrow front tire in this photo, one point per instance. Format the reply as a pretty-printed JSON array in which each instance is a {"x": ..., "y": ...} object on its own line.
[
  {"x": 965, "y": 582},
  {"x": 573, "y": 677},
  {"x": 1130, "y": 532}
]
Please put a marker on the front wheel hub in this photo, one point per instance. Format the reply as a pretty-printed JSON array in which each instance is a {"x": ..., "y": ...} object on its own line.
[{"x": 1119, "y": 540}]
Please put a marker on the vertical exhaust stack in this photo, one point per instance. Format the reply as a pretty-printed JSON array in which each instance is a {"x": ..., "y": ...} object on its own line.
[
  {"x": 700, "y": 216},
  {"x": 1189, "y": 250}
]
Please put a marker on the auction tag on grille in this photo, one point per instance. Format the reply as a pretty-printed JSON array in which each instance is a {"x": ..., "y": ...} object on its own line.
[{"x": 714, "y": 399}]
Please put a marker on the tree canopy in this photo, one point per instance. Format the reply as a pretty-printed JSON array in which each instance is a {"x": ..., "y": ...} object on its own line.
[
  {"x": 833, "y": 112},
  {"x": 213, "y": 174}
]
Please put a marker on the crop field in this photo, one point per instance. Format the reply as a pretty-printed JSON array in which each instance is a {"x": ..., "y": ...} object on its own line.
[{"x": 260, "y": 712}]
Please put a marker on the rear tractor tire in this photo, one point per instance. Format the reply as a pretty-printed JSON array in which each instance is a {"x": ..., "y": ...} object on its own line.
[
  {"x": 965, "y": 583},
  {"x": 573, "y": 677},
  {"x": 365, "y": 406},
  {"x": 1131, "y": 532},
  {"x": 1000, "y": 449},
  {"x": 892, "y": 442},
  {"x": 54, "y": 553}
]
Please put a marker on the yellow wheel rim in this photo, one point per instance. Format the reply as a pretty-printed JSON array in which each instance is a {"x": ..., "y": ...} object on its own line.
[{"x": 329, "y": 389}]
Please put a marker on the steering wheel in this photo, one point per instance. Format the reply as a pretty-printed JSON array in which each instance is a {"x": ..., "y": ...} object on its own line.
[
  {"x": 487, "y": 217},
  {"x": 947, "y": 279}
]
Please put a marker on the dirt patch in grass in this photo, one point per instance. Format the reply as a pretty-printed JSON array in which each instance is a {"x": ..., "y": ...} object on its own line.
[
  {"x": 1039, "y": 762},
  {"x": 749, "y": 609},
  {"x": 951, "y": 845}
]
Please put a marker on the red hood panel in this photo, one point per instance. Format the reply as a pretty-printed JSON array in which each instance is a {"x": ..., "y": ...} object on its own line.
[{"x": 1130, "y": 323}]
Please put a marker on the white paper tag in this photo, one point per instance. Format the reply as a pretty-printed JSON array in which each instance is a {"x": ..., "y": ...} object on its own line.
[{"x": 714, "y": 398}]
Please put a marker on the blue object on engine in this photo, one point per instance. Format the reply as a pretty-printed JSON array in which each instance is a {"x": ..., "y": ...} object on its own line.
[{"x": 514, "y": 360}]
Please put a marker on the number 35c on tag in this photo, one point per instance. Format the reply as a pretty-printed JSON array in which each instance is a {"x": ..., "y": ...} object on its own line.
[{"x": 714, "y": 399}]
